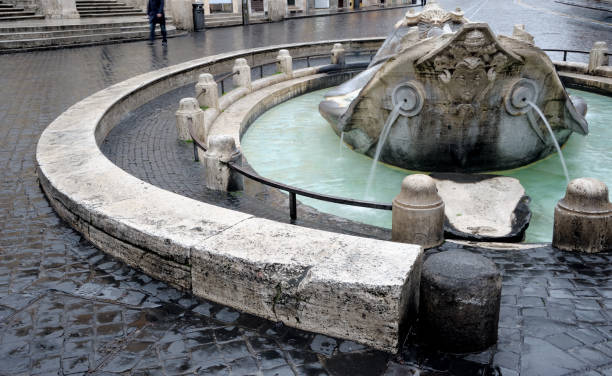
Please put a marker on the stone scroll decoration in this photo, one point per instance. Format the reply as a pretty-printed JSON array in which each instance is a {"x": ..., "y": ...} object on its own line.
[{"x": 467, "y": 67}]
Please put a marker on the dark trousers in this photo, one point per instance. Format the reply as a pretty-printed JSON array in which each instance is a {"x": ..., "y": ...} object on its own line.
[{"x": 162, "y": 26}]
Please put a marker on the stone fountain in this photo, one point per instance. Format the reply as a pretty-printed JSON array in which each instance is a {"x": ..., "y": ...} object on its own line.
[{"x": 447, "y": 95}]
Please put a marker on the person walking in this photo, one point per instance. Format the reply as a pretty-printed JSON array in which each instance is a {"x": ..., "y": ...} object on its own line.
[{"x": 155, "y": 11}]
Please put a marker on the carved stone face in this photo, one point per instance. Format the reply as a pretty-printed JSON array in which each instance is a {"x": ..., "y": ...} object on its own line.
[{"x": 467, "y": 82}]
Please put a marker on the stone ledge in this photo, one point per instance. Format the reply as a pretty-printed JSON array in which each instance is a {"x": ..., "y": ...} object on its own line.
[{"x": 359, "y": 289}]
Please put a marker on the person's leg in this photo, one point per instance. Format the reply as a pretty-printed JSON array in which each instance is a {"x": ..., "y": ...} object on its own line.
[
  {"x": 162, "y": 26},
  {"x": 152, "y": 31}
]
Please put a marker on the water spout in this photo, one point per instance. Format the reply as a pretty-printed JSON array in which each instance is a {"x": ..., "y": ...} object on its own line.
[
  {"x": 384, "y": 134},
  {"x": 341, "y": 144},
  {"x": 552, "y": 135}
]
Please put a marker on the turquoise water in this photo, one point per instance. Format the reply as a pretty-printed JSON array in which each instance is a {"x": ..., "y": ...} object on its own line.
[{"x": 293, "y": 144}]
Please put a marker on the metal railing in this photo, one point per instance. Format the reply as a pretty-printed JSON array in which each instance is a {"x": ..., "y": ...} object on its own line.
[
  {"x": 294, "y": 191},
  {"x": 565, "y": 52}
]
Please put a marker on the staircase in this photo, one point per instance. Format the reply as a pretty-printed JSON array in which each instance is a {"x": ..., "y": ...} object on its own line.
[
  {"x": 105, "y": 8},
  {"x": 9, "y": 12},
  {"x": 33, "y": 37},
  {"x": 230, "y": 19}
]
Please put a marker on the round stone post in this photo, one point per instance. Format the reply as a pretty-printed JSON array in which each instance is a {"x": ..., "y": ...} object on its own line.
[
  {"x": 418, "y": 213},
  {"x": 338, "y": 54},
  {"x": 459, "y": 301},
  {"x": 284, "y": 63},
  {"x": 189, "y": 113},
  {"x": 583, "y": 218},
  {"x": 597, "y": 56},
  {"x": 221, "y": 151},
  {"x": 243, "y": 78},
  {"x": 207, "y": 91}
]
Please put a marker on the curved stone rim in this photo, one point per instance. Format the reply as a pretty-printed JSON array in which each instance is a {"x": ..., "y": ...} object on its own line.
[{"x": 281, "y": 272}]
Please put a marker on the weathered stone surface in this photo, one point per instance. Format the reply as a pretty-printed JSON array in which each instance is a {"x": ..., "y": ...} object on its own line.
[
  {"x": 460, "y": 301},
  {"x": 284, "y": 63},
  {"x": 243, "y": 78},
  {"x": 434, "y": 97},
  {"x": 181, "y": 12},
  {"x": 583, "y": 218},
  {"x": 162, "y": 231},
  {"x": 483, "y": 207},
  {"x": 221, "y": 151},
  {"x": 59, "y": 8},
  {"x": 277, "y": 9},
  {"x": 189, "y": 115},
  {"x": 334, "y": 284},
  {"x": 418, "y": 213},
  {"x": 207, "y": 91},
  {"x": 338, "y": 54},
  {"x": 597, "y": 56}
]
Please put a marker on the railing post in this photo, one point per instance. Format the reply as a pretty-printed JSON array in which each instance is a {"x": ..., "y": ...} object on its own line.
[
  {"x": 292, "y": 206},
  {"x": 189, "y": 113},
  {"x": 598, "y": 56},
  {"x": 219, "y": 176},
  {"x": 207, "y": 91},
  {"x": 284, "y": 63},
  {"x": 338, "y": 54},
  {"x": 565, "y": 55},
  {"x": 222, "y": 87},
  {"x": 242, "y": 78},
  {"x": 261, "y": 71},
  {"x": 418, "y": 213}
]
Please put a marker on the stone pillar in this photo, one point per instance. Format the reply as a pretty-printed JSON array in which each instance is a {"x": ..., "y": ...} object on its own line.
[
  {"x": 181, "y": 12},
  {"x": 284, "y": 63},
  {"x": 598, "y": 57},
  {"x": 207, "y": 91},
  {"x": 59, "y": 8},
  {"x": 219, "y": 177},
  {"x": 243, "y": 78},
  {"x": 583, "y": 218},
  {"x": 190, "y": 114},
  {"x": 338, "y": 54},
  {"x": 459, "y": 301},
  {"x": 418, "y": 213},
  {"x": 277, "y": 9}
]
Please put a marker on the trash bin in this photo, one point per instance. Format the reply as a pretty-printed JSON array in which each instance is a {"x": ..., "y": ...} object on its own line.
[{"x": 198, "y": 16}]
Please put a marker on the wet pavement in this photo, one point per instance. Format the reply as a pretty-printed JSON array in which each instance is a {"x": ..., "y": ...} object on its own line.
[{"x": 66, "y": 308}]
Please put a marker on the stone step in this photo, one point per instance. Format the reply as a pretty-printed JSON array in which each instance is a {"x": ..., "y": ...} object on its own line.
[
  {"x": 111, "y": 14},
  {"x": 11, "y": 9},
  {"x": 14, "y": 14},
  {"x": 21, "y": 18},
  {"x": 81, "y": 2},
  {"x": 86, "y": 39},
  {"x": 66, "y": 27},
  {"x": 101, "y": 11},
  {"x": 103, "y": 8},
  {"x": 66, "y": 33}
]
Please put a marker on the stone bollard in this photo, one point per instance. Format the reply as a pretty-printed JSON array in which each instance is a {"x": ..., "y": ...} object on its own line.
[
  {"x": 243, "y": 78},
  {"x": 597, "y": 56},
  {"x": 418, "y": 213},
  {"x": 219, "y": 177},
  {"x": 338, "y": 54},
  {"x": 459, "y": 301},
  {"x": 277, "y": 9},
  {"x": 583, "y": 218},
  {"x": 284, "y": 63},
  {"x": 190, "y": 113},
  {"x": 207, "y": 91}
]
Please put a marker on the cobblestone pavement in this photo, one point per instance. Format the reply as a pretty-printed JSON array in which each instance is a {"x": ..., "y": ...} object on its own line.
[{"x": 66, "y": 308}]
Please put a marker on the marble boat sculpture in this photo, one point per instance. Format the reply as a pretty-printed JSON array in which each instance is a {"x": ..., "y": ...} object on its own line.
[{"x": 456, "y": 98}]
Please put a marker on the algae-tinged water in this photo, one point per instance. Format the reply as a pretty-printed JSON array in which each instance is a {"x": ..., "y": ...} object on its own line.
[{"x": 293, "y": 144}]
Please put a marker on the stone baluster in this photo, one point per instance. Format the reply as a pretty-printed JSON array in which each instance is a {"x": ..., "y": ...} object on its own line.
[
  {"x": 284, "y": 63},
  {"x": 243, "y": 77},
  {"x": 338, "y": 54},
  {"x": 221, "y": 151},
  {"x": 597, "y": 56},
  {"x": 418, "y": 213},
  {"x": 190, "y": 113},
  {"x": 207, "y": 91},
  {"x": 583, "y": 218}
]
